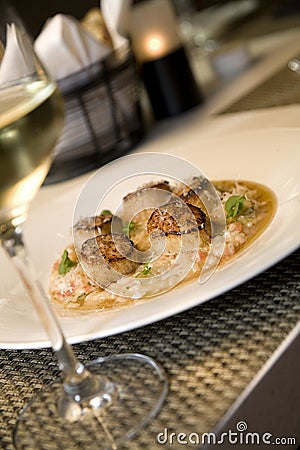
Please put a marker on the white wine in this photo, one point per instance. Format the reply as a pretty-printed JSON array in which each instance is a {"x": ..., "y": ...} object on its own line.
[{"x": 31, "y": 119}]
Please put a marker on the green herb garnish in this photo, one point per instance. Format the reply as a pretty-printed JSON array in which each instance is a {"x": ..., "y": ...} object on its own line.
[
  {"x": 128, "y": 227},
  {"x": 105, "y": 212},
  {"x": 81, "y": 297},
  {"x": 147, "y": 270},
  {"x": 65, "y": 264},
  {"x": 234, "y": 205}
]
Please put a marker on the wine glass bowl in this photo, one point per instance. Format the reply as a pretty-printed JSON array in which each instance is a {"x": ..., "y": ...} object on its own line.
[
  {"x": 31, "y": 119},
  {"x": 113, "y": 397}
]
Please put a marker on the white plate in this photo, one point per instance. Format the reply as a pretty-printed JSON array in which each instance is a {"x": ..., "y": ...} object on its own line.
[{"x": 269, "y": 156}]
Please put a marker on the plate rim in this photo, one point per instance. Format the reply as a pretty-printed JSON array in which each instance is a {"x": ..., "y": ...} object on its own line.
[{"x": 35, "y": 344}]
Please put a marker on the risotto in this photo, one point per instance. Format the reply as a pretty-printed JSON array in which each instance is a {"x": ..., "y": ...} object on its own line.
[{"x": 107, "y": 245}]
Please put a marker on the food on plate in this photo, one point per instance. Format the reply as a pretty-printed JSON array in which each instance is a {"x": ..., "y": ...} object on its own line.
[
  {"x": 107, "y": 257},
  {"x": 162, "y": 233},
  {"x": 88, "y": 227}
]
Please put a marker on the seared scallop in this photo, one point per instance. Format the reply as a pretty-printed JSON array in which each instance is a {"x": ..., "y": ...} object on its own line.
[
  {"x": 179, "y": 224},
  {"x": 163, "y": 185},
  {"x": 89, "y": 227},
  {"x": 144, "y": 200},
  {"x": 176, "y": 218},
  {"x": 192, "y": 199},
  {"x": 106, "y": 258}
]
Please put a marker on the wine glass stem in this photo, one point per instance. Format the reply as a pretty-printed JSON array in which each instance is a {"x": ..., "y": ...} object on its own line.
[{"x": 73, "y": 371}]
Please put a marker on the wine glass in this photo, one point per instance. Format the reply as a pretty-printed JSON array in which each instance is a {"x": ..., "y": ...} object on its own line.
[{"x": 110, "y": 399}]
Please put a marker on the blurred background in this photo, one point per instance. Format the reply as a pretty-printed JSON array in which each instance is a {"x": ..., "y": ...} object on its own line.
[
  {"x": 268, "y": 16},
  {"x": 109, "y": 114}
]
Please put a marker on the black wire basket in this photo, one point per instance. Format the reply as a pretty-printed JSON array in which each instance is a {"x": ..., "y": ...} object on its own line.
[{"x": 103, "y": 119}]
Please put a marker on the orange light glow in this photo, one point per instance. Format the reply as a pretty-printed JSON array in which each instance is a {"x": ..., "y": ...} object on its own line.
[{"x": 155, "y": 46}]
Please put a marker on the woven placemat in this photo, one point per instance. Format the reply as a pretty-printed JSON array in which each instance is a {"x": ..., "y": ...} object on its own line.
[
  {"x": 282, "y": 88},
  {"x": 210, "y": 354}
]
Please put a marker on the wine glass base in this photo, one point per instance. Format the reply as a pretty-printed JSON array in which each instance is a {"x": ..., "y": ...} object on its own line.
[{"x": 139, "y": 388}]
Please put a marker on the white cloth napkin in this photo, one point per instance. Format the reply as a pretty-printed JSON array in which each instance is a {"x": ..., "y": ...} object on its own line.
[
  {"x": 64, "y": 47},
  {"x": 17, "y": 61},
  {"x": 115, "y": 14}
]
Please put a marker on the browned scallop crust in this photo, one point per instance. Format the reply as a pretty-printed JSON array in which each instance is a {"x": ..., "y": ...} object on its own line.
[
  {"x": 176, "y": 218},
  {"x": 192, "y": 198},
  {"x": 107, "y": 257}
]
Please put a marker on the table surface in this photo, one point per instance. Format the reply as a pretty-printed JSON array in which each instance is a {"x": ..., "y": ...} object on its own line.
[{"x": 211, "y": 353}]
